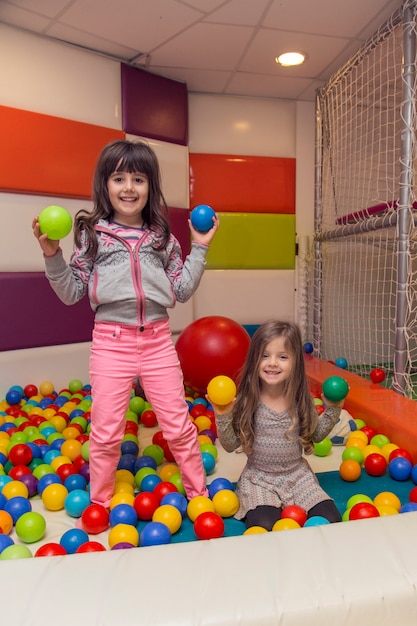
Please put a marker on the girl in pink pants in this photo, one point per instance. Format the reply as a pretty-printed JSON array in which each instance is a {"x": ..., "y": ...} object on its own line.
[{"x": 130, "y": 264}]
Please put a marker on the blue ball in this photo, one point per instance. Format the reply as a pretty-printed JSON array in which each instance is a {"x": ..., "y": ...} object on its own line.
[
  {"x": 13, "y": 396},
  {"x": 209, "y": 462},
  {"x": 17, "y": 506},
  {"x": 177, "y": 499},
  {"x": 75, "y": 481},
  {"x": 73, "y": 539},
  {"x": 218, "y": 484},
  {"x": 46, "y": 480},
  {"x": 129, "y": 447},
  {"x": 155, "y": 534},
  {"x": 414, "y": 474},
  {"x": 145, "y": 461},
  {"x": 149, "y": 482},
  {"x": 76, "y": 502},
  {"x": 202, "y": 217},
  {"x": 3, "y": 501},
  {"x": 341, "y": 362},
  {"x": 316, "y": 520},
  {"x": 400, "y": 468},
  {"x": 5, "y": 542},
  {"x": 308, "y": 347},
  {"x": 127, "y": 462},
  {"x": 408, "y": 507},
  {"x": 123, "y": 514}
]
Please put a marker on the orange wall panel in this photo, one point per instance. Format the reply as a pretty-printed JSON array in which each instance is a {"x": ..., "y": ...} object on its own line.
[
  {"x": 246, "y": 184},
  {"x": 42, "y": 154}
]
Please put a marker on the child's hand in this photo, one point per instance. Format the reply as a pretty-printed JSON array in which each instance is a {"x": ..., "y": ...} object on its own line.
[
  {"x": 204, "y": 238},
  {"x": 49, "y": 246},
  {"x": 222, "y": 409}
]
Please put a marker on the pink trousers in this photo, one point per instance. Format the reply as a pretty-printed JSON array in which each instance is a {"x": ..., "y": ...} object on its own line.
[{"x": 119, "y": 354}]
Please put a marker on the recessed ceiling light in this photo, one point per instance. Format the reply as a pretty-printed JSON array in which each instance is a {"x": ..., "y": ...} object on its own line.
[{"x": 290, "y": 58}]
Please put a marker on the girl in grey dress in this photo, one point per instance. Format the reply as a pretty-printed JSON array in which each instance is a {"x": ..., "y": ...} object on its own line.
[{"x": 273, "y": 420}]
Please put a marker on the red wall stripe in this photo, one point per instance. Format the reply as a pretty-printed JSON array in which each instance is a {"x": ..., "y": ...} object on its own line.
[
  {"x": 42, "y": 154},
  {"x": 246, "y": 184}
]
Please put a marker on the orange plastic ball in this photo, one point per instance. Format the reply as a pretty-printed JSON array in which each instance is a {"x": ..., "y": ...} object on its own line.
[{"x": 349, "y": 470}]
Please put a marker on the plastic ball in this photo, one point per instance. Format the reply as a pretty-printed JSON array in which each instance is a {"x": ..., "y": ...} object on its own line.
[
  {"x": 350, "y": 470},
  {"x": 323, "y": 448},
  {"x": 155, "y": 451},
  {"x": 375, "y": 464},
  {"x": 285, "y": 523},
  {"x": 379, "y": 440},
  {"x": 176, "y": 479},
  {"x": 308, "y": 347},
  {"x": 55, "y": 221},
  {"x": 387, "y": 498},
  {"x": 353, "y": 453},
  {"x": 51, "y": 549},
  {"x": 148, "y": 418},
  {"x": 209, "y": 462},
  {"x": 174, "y": 498},
  {"x": 218, "y": 484},
  {"x": 209, "y": 525},
  {"x": 95, "y": 519},
  {"x": 226, "y": 503},
  {"x": 20, "y": 454},
  {"x": 53, "y": 497},
  {"x": 72, "y": 539},
  {"x": 409, "y": 507},
  {"x": 76, "y": 502},
  {"x": 341, "y": 362},
  {"x": 198, "y": 505},
  {"x": 202, "y": 217},
  {"x": 400, "y": 468},
  {"x": 377, "y": 375},
  {"x": 145, "y": 505},
  {"x": 15, "y": 488},
  {"x": 5, "y": 542},
  {"x": 90, "y": 546},
  {"x": 30, "y": 527},
  {"x": 141, "y": 473},
  {"x": 294, "y": 512},
  {"x": 16, "y": 551},
  {"x": 221, "y": 390},
  {"x": 209, "y": 347},
  {"x": 150, "y": 482},
  {"x": 401, "y": 453},
  {"x": 363, "y": 510},
  {"x": 123, "y": 514},
  {"x": 170, "y": 516},
  {"x": 162, "y": 488},
  {"x": 6, "y": 522},
  {"x": 255, "y": 530},
  {"x": 335, "y": 388},
  {"x": 316, "y": 520},
  {"x": 155, "y": 534},
  {"x": 17, "y": 506}
]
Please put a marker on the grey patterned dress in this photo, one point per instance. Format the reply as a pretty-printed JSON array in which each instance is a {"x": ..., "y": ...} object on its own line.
[{"x": 276, "y": 473}]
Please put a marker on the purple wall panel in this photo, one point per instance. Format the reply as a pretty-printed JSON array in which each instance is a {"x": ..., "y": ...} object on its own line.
[
  {"x": 154, "y": 106},
  {"x": 180, "y": 228},
  {"x": 32, "y": 315}
]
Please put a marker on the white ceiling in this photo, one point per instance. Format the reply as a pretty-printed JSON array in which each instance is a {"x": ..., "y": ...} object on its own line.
[{"x": 215, "y": 46}]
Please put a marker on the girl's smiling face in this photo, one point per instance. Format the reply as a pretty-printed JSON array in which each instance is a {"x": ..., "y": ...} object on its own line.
[
  {"x": 276, "y": 363},
  {"x": 128, "y": 194}
]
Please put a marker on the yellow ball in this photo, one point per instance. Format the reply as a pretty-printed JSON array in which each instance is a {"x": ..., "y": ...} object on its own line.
[
  {"x": 123, "y": 533},
  {"x": 58, "y": 422},
  {"x": 356, "y": 442},
  {"x": 226, "y": 503},
  {"x": 255, "y": 530},
  {"x": 385, "y": 509},
  {"x": 123, "y": 486},
  {"x": 70, "y": 432},
  {"x": 124, "y": 476},
  {"x": 387, "y": 498},
  {"x": 221, "y": 390},
  {"x": 122, "y": 498},
  {"x": 198, "y": 505},
  {"x": 359, "y": 434},
  {"x": 371, "y": 449},
  {"x": 168, "y": 470},
  {"x": 46, "y": 388},
  {"x": 48, "y": 412},
  {"x": 71, "y": 448},
  {"x": 168, "y": 515},
  {"x": 58, "y": 461},
  {"x": 15, "y": 488},
  {"x": 387, "y": 449},
  {"x": 204, "y": 439},
  {"x": 285, "y": 524},
  {"x": 203, "y": 423},
  {"x": 53, "y": 497}
]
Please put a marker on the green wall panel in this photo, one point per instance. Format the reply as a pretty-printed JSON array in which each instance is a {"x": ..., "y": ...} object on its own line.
[{"x": 253, "y": 241}]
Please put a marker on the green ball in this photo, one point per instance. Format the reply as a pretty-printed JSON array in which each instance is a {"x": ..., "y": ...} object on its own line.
[
  {"x": 356, "y": 498},
  {"x": 353, "y": 454},
  {"x": 323, "y": 448},
  {"x": 30, "y": 527},
  {"x": 55, "y": 221},
  {"x": 137, "y": 404},
  {"x": 16, "y": 551},
  {"x": 335, "y": 388},
  {"x": 176, "y": 480},
  {"x": 141, "y": 473},
  {"x": 379, "y": 440},
  {"x": 155, "y": 451},
  {"x": 85, "y": 450},
  {"x": 75, "y": 385}
]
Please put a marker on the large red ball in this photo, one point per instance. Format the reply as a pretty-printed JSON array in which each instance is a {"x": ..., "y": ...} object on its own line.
[
  {"x": 209, "y": 525},
  {"x": 211, "y": 346},
  {"x": 95, "y": 519}
]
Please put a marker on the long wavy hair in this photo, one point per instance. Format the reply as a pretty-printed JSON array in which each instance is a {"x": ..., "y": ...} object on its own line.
[
  {"x": 124, "y": 156},
  {"x": 301, "y": 406}
]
